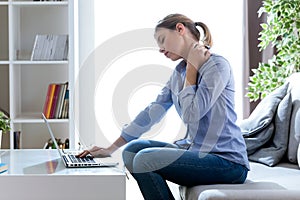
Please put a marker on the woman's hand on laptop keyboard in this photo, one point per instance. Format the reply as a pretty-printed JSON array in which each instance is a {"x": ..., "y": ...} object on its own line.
[
  {"x": 99, "y": 152},
  {"x": 96, "y": 152}
]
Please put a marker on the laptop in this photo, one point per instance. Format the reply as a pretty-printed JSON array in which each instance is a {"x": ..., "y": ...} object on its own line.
[{"x": 71, "y": 161}]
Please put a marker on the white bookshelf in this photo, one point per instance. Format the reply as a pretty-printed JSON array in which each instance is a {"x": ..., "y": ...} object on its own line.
[{"x": 27, "y": 80}]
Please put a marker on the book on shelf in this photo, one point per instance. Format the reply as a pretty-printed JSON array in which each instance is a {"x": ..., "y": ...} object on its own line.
[
  {"x": 50, "y": 47},
  {"x": 3, "y": 168},
  {"x": 65, "y": 112},
  {"x": 17, "y": 138},
  {"x": 56, "y": 96},
  {"x": 49, "y": 99}
]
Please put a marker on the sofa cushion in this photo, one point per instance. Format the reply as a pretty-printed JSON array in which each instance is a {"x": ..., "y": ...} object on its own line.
[
  {"x": 294, "y": 82},
  {"x": 257, "y": 128},
  {"x": 272, "y": 153},
  {"x": 191, "y": 193},
  {"x": 262, "y": 181},
  {"x": 284, "y": 174}
]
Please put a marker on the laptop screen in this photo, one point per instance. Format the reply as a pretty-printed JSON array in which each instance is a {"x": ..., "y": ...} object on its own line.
[{"x": 51, "y": 134}]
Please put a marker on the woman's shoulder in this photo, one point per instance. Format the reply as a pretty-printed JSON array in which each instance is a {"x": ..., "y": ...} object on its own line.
[
  {"x": 217, "y": 57},
  {"x": 218, "y": 61},
  {"x": 215, "y": 61}
]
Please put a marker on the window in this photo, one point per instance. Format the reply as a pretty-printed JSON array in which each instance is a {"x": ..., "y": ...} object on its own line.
[{"x": 123, "y": 89}]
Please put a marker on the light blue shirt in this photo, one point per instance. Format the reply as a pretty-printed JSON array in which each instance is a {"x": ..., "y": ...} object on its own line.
[{"x": 207, "y": 109}]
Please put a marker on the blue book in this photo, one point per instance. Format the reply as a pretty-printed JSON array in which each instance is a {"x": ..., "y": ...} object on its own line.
[{"x": 3, "y": 168}]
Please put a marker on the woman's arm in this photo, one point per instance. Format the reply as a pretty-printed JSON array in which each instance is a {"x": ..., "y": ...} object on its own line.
[
  {"x": 151, "y": 115},
  {"x": 142, "y": 123},
  {"x": 191, "y": 75},
  {"x": 196, "y": 100}
]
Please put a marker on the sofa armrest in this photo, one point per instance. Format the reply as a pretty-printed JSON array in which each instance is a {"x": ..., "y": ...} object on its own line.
[
  {"x": 298, "y": 155},
  {"x": 213, "y": 194}
]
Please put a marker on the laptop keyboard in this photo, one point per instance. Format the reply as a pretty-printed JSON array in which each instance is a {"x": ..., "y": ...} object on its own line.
[{"x": 87, "y": 159}]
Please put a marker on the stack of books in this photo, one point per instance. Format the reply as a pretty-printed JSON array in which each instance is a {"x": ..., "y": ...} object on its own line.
[
  {"x": 50, "y": 47},
  {"x": 56, "y": 104}
]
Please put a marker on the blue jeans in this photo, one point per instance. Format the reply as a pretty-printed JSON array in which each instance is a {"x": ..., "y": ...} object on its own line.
[{"x": 151, "y": 163}]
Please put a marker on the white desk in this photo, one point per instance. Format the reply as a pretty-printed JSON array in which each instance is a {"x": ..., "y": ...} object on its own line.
[{"x": 40, "y": 174}]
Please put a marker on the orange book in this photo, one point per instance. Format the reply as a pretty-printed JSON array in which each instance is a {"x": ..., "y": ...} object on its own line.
[
  {"x": 46, "y": 104},
  {"x": 54, "y": 101},
  {"x": 51, "y": 96}
]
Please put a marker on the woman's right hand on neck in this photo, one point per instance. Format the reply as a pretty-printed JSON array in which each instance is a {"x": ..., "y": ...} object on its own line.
[{"x": 198, "y": 55}]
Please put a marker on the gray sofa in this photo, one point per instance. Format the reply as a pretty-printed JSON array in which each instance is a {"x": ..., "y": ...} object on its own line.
[{"x": 272, "y": 134}]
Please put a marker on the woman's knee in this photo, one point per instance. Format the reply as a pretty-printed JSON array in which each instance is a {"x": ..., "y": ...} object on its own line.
[
  {"x": 140, "y": 162},
  {"x": 147, "y": 150},
  {"x": 134, "y": 145},
  {"x": 131, "y": 149}
]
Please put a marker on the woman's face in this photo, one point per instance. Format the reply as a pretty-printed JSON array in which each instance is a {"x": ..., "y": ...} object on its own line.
[{"x": 170, "y": 43}]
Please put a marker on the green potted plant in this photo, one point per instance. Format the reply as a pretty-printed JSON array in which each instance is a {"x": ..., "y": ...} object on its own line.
[
  {"x": 4, "y": 124},
  {"x": 282, "y": 31}
]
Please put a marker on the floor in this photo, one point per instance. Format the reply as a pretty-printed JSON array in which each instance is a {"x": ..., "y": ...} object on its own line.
[{"x": 133, "y": 191}]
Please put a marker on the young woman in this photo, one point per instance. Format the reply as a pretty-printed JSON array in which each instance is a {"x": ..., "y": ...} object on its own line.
[{"x": 202, "y": 91}]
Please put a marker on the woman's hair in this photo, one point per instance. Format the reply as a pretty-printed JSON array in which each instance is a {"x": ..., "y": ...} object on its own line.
[{"x": 171, "y": 20}]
